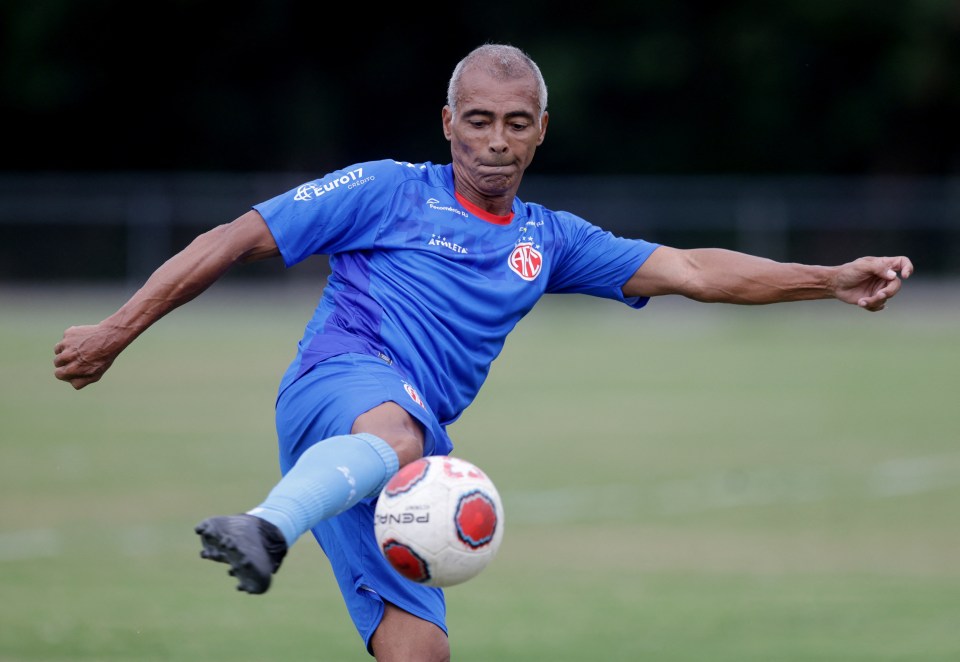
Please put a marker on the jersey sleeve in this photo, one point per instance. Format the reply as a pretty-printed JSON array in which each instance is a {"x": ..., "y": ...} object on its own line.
[
  {"x": 342, "y": 211},
  {"x": 597, "y": 262}
]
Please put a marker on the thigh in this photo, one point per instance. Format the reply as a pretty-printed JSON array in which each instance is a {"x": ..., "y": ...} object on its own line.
[
  {"x": 328, "y": 400},
  {"x": 397, "y": 427}
]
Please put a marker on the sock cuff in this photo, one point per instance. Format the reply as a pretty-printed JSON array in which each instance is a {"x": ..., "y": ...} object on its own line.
[{"x": 389, "y": 456}]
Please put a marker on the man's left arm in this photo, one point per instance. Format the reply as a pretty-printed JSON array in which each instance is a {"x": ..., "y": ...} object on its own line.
[{"x": 716, "y": 275}]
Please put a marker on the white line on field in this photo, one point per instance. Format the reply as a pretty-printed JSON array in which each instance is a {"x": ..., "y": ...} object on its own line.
[
  {"x": 734, "y": 489},
  {"x": 712, "y": 491},
  {"x": 913, "y": 475},
  {"x": 29, "y": 544}
]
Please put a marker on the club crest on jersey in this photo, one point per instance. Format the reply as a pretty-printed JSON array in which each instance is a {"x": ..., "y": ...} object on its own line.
[
  {"x": 412, "y": 392},
  {"x": 525, "y": 261}
]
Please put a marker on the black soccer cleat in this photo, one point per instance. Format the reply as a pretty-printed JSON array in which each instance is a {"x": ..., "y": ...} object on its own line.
[{"x": 252, "y": 546}]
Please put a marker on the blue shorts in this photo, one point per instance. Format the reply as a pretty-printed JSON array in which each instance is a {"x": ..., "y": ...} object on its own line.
[{"x": 324, "y": 403}]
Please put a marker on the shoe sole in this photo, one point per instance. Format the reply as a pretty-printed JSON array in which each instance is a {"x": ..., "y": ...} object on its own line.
[{"x": 220, "y": 546}]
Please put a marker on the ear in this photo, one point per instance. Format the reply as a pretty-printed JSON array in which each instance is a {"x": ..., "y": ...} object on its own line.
[
  {"x": 447, "y": 117},
  {"x": 543, "y": 127}
]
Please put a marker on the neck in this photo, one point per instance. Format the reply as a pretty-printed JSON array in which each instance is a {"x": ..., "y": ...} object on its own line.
[
  {"x": 497, "y": 219},
  {"x": 498, "y": 204}
]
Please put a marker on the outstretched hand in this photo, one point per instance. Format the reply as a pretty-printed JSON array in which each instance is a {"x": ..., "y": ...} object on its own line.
[
  {"x": 84, "y": 354},
  {"x": 870, "y": 281}
]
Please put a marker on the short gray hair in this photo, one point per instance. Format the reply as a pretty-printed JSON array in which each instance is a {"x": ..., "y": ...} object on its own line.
[{"x": 503, "y": 62}]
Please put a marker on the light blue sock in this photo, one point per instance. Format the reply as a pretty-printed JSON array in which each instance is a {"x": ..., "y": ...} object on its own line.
[{"x": 330, "y": 477}]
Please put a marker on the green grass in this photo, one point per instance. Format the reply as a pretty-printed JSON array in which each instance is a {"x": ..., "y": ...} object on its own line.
[{"x": 688, "y": 482}]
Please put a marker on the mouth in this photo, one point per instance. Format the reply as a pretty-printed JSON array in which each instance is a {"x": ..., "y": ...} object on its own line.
[{"x": 498, "y": 168}]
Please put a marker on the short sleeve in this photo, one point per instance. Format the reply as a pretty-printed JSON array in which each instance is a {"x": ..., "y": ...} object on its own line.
[
  {"x": 339, "y": 212},
  {"x": 595, "y": 261}
]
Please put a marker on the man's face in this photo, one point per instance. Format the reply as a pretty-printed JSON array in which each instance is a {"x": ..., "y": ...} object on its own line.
[{"x": 494, "y": 135}]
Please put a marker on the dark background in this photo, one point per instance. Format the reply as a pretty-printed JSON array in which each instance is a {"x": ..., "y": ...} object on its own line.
[
  {"x": 802, "y": 130},
  {"x": 793, "y": 86}
]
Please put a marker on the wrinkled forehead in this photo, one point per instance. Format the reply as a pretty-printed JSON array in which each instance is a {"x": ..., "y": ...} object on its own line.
[{"x": 490, "y": 90}]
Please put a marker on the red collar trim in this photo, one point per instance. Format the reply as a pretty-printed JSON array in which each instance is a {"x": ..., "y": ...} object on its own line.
[{"x": 481, "y": 214}]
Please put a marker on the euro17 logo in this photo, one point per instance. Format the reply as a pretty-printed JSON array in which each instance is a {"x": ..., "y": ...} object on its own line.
[{"x": 525, "y": 261}]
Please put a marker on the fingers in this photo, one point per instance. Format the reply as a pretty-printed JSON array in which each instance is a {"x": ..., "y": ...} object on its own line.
[
  {"x": 65, "y": 373},
  {"x": 891, "y": 288},
  {"x": 80, "y": 382},
  {"x": 74, "y": 377},
  {"x": 71, "y": 368},
  {"x": 878, "y": 300},
  {"x": 905, "y": 267},
  {"x": 895, "y": 266},
  {"x": 61, "y": 358},
  {"x": 76, "y": 373},
  {"x": 873, "y": 303},
  {"x": 890, "y": 270}
]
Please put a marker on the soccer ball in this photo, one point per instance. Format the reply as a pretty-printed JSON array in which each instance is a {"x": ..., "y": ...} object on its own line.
[{"x": 439, "y": 521}]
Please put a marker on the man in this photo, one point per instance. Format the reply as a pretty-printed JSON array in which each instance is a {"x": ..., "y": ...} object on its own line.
[{"x": 431, "y": 267}]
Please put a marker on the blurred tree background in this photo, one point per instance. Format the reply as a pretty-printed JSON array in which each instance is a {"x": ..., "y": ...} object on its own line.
[
  {"x": 682, "y": 87},
  {"x": 802, "y": 130}
]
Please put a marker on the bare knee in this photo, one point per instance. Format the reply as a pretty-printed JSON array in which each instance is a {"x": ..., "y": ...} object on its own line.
[
  {"x": 393, "y": 424},
  {"x": 403, "y": 637}
]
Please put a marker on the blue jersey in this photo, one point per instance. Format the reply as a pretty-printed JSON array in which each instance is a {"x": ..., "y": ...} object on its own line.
[{"x": 426, "y": 281}]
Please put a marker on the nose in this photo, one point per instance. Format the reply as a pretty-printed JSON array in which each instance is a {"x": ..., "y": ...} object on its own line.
[{"x": 498, "y": 140}]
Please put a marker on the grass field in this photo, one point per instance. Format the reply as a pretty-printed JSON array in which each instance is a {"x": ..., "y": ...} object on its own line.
[{"x": 688, "y": 482}]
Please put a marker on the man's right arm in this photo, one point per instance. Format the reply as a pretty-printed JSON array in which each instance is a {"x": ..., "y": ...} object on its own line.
[{"x": 86, "y": 352}]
